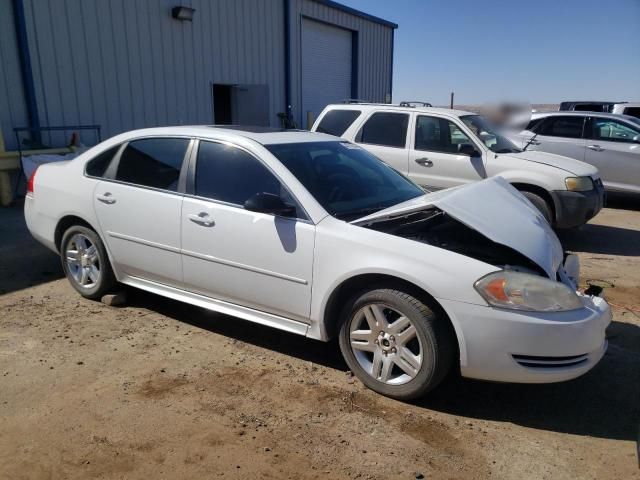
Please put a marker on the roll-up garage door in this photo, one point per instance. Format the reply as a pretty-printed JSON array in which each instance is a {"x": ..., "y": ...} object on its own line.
[{"x": 326, "y": 66}]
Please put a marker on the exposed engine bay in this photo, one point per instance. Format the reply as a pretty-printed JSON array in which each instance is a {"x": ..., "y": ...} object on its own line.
[{"x": 437, "y": 228}]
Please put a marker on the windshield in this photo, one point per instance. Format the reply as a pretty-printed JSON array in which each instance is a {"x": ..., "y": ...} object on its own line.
[
  {"x": 487, "y": 134},
  {"x": 346, "y": 180}
]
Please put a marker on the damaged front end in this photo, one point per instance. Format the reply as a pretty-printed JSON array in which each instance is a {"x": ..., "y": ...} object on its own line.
[
  {"x": 437, "y": 228},
  {"x": 488, "y": 220}
]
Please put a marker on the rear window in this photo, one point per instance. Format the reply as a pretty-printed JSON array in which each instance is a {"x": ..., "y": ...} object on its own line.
[
  {"x": 153, "y": 162},
  {"x": 336, "y": 122},
  {"x": 568, "y": 127},
  {"x": 386, "y": 129},
  {"x": 632, "y": 111},
  {"x": 98, "y": 166},
  {"x": 591, "y": 107}
]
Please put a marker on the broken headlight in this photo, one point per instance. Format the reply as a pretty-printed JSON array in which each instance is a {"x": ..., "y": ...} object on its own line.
[{"x": 523, "y": 291}]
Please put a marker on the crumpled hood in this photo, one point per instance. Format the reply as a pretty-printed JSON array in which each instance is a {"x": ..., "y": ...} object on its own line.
[
  {"x": 571, "y": 165},
  {"x": 496, "y": 210}
]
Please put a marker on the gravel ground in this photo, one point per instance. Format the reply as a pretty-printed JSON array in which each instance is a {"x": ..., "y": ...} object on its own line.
[{"x": 158, "y": 389}]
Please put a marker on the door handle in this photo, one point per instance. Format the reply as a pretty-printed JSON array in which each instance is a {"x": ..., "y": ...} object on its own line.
[
  {"x": 425, "y": 162},
  {"x": 595, "y": 148},
  {"x": 106, "y": 198},
  {"x": 202, "y": 218}
]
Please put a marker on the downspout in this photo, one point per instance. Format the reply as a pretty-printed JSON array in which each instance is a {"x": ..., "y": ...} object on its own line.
[
  {"x": 25, "y": 64},
  {"x": 393, "y": 34},
  {"x": 287, "y": 59}
]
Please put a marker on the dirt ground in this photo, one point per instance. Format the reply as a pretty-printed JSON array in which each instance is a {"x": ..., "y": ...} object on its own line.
[{"x": 158, "y": 389}]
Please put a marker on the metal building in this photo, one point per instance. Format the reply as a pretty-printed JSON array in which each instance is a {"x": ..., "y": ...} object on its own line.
[{"x": 126, "y": 64}]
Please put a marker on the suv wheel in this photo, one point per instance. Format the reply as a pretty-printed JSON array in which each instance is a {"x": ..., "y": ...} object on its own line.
[
  {"x": 395, "y": 344},
  {"x": 85, "y": 262}
]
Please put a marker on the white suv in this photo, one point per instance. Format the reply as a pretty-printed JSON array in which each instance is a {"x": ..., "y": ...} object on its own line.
[{"x": 440, "y": 148}]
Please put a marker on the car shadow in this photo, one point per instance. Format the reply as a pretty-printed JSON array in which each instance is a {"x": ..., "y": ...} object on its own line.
[
  {"x": 623, "y": 201},
  {"x": 603, "y": 239},
  {"x": 23, "y": 261},
  {"x": 603, "y": 403}
]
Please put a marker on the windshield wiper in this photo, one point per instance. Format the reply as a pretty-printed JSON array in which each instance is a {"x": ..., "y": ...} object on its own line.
[
  {"x": 358, "y": 213},
  {"x": 531, "y": 140}
]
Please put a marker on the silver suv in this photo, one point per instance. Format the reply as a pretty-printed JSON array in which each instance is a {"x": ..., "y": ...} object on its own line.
[{"x": 608, "y": 141}]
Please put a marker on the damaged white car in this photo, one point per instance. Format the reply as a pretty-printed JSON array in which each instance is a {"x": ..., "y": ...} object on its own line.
[{"x": 313, "y": 235}]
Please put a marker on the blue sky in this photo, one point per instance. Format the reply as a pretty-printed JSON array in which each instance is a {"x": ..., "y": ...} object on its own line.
[{"x": 541, "y": 51}]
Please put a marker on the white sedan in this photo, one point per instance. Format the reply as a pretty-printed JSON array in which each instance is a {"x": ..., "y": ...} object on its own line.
[{"x": 313, "y": 235}]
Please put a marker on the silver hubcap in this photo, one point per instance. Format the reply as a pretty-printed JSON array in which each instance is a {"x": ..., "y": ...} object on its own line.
[
  {"x": 385, "y": 344},
  {"x": 83, "y": 261}
]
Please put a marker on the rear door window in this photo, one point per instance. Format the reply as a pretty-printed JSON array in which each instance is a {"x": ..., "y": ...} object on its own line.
[
  {"x": 336, "y": 122},
  {"x": 98, "y": 165},
  {"x": 153, "y": 162},
  {"x": 568, "y": 127},
  {"x": 385, "y": 128}
]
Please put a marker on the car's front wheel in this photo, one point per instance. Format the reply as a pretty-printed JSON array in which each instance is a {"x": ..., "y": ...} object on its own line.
[
  {"x": 85, "y": 262},
  {"x": 395, "y": 344}
]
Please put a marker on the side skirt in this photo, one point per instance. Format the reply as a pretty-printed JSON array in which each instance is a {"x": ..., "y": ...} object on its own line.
[{"x": 220, "y": 306}]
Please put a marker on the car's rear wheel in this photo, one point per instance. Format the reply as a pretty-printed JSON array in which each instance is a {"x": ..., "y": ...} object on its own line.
[
  {"x": 85, "y": 262},
  {"x": 541, "y": 204},
  {"x": 395, "y": 344}
]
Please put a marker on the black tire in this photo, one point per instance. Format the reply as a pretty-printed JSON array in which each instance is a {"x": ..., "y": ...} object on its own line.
[
  {"x": 541, "y": 204},
  {"x": 436, "y": 339},
  {"x": 106, "y": 280}
]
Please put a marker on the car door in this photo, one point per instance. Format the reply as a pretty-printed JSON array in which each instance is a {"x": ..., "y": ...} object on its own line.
[
  {"x": 435, "y": 161},
  {"x": 562, "y": 135},
  {"x": 385, "y": 135},
  {"x": 138, "y": 204},
  {"x": 611, "y": 147},
  {"x": 256, "y": 260}
]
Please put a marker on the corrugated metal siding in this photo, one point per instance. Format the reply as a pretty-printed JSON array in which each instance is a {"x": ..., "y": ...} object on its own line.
[
  {"x": 13, "y": 108},
  {"x": 127, "y": 64},
  {"x": 374, "y": 51}
]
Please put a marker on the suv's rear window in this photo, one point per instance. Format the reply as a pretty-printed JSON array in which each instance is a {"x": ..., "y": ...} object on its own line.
[
  {"x": 632, "y": 111},
  {"x": 336, "y": 122}
]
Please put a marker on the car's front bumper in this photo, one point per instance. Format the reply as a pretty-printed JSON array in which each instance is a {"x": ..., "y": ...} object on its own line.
[
  {"x": 529, "y": 347},
  {"x": 577, "y": 208}
]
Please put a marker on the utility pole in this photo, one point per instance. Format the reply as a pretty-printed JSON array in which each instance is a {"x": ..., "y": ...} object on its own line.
[{"x": 451, "y": 104}]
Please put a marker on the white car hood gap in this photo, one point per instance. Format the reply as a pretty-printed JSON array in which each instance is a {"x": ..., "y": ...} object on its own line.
[{"x": 496, "y": 210}]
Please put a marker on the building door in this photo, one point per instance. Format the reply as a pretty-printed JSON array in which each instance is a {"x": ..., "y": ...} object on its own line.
[
  {"x": 326, "y": 66},
  {"x": 241, "y": 105}
]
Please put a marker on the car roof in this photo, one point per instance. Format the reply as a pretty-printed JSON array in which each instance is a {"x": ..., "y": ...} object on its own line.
[
  {"x": 571, "y": 113},
  {"x": 374, "y": 107},
  {"x": 262, "y": 135}
]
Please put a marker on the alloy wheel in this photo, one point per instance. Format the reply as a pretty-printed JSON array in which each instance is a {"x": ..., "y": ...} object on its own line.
[
  {"x": 385, "y": 343},
  {"x": 83, "y": 261}
]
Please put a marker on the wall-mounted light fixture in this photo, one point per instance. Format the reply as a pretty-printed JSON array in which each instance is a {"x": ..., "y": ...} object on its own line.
[{"x": 182, "y": 13}]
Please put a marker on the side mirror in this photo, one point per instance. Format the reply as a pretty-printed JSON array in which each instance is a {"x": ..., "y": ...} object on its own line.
[
  {"x": 269, "y": 203},
  {"x": 469, "y": 150}
]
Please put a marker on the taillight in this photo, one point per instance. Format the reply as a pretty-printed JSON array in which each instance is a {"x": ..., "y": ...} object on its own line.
[{"x": 30, "y": 182}]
